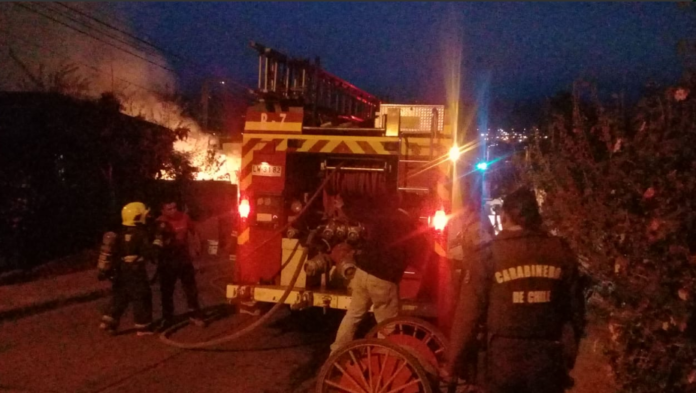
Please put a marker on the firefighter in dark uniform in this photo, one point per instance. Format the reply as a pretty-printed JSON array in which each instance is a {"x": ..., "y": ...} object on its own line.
[
  {"x": 522, "y": 286},
  {"x": 123, "y": 260}
]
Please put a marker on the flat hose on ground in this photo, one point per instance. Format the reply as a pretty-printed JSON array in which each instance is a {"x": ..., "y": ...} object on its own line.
[
  {"x": 164, "y": 336},
  {"x": 211, "y": 343}
]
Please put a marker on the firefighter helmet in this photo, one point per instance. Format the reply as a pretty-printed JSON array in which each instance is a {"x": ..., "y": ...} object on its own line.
[{"x": 134, "y": 213}]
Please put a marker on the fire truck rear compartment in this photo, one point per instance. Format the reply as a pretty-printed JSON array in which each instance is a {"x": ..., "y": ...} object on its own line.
[{"x": 366, "y": 178}]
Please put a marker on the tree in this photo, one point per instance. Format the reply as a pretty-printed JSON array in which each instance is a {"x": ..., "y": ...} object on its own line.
[
  {"x": 66, "y": 79},
  {"x": 621, "y": 188},
  {"x": 68, "y": 165}
]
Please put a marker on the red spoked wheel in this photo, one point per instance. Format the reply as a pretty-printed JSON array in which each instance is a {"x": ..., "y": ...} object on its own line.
[
  {"x": 373, "y": 366},
  {"x": 419, "y": 336}
]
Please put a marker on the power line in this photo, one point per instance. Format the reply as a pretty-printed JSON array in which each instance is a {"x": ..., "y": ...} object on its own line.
[
  {"x": 159, "y": 48},
  {"x": 91, "y": 36},
  {"x": 96, "y": 38},
  {"x": 82, "y": 23},
  {"x": 94, "y": 68},
  {"x": 74, "y": 10},
  {"x": 149, "y": 42},
  {"x": 246, "y": 89},
  {"x": 126, "y": 24},
  {"x": 210, "y": 26}
]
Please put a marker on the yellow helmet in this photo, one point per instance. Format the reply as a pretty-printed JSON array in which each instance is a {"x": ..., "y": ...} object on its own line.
[{"x": 134, "y": 213}]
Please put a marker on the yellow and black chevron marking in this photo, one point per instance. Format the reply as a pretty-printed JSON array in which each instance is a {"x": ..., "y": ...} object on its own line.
[{"x": 311, "y": 144}]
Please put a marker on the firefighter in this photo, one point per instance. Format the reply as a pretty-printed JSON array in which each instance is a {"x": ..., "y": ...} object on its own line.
[
  {"x": 380, "y": 257},
  {"x": 173, "y": 229},
  {"x": 522, "y": 286},
  {"x": 123, "y": 261}
]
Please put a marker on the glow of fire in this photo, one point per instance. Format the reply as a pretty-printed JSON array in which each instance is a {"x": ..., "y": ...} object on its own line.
[{"x": 197, "y": 146}]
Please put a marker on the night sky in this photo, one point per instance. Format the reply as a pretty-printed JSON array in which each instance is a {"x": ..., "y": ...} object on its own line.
[{"x": 395, "y": 49}]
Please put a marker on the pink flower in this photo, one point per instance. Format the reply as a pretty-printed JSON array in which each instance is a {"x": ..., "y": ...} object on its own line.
[
  {"x": 617, "y": 146},
  {"x": 684, "y": 294},
  {"x": 681, "y": 94},
  {"x": 649, "y": 193}
]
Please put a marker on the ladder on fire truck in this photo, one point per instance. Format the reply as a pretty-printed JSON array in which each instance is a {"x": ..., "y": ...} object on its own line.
[{"x": 299, "y": 82}]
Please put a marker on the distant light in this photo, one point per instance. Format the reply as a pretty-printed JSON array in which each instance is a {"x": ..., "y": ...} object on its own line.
[
  {"x": 482, "y": 166},
  {"x": 222, "y": 82},
  {"x": 454, "y": 153}
]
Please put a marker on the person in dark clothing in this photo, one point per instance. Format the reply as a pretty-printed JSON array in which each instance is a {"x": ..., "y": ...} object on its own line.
[
  {"x": 131, "y": 251},
  {"x": 522, "y": 286},
  {"x": 381, "y": 258},
  {"x": 173, "y": 230}
]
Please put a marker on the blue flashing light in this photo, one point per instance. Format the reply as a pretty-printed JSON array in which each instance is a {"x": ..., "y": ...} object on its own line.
[{"x": 482, "y": 166}]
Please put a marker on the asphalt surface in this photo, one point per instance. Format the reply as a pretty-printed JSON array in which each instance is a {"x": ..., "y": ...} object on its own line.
[{"x": 64, "y": 351}]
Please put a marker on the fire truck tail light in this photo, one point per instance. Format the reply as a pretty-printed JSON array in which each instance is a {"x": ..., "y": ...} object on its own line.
[
  {"x": 244, "y": 208},
  {"x": 439, "y": 220}
]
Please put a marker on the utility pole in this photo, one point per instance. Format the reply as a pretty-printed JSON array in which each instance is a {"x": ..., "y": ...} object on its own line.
[{"x": 205, "y": 99}]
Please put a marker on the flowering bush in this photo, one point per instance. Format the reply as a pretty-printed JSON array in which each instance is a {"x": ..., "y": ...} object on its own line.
[{"x": 620, "y": 186}]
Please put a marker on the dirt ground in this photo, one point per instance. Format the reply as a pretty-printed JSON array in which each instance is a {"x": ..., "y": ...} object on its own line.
[{"x": 591, "y": 372}]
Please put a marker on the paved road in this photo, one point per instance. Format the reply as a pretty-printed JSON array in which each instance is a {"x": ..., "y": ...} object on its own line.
[{"x": 63, "y": 351}]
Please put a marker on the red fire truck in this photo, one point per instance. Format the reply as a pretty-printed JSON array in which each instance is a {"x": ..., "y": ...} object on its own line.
[{"x": 312, "y": 136}]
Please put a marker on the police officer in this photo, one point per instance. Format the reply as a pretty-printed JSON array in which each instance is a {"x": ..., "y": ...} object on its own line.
[
  {"x": 131, "y": 251},
  {"x": 522, "y": 286},
  {"x": 476, "y": 231}
]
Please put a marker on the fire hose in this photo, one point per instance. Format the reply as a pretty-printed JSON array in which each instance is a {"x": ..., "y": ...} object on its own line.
[
  {"x": 164, "y": 336},
  {"x": 240, "y": 333}
]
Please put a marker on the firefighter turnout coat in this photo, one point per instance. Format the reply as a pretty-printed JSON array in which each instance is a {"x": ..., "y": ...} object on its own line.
[{"x": 130, "y": 283}]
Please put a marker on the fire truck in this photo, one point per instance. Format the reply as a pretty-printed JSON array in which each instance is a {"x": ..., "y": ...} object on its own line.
[{"x": 310, "y": 137}]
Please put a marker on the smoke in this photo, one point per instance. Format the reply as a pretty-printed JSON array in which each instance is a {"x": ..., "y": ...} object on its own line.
[
  {"x": 85, "y": 58},
  {"x": 37, "y": 34}
]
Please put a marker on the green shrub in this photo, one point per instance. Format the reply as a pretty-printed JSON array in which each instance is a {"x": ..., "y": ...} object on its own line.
[{"x": 620, "y": 186}]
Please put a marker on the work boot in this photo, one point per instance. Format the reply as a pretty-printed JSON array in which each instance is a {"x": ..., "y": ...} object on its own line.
[
  {"x": 144, "y": 330},
  {"x": 196, "y": 318},
  {"x": 108, "y": 324},
  {"x": 198, "y": 321}
]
